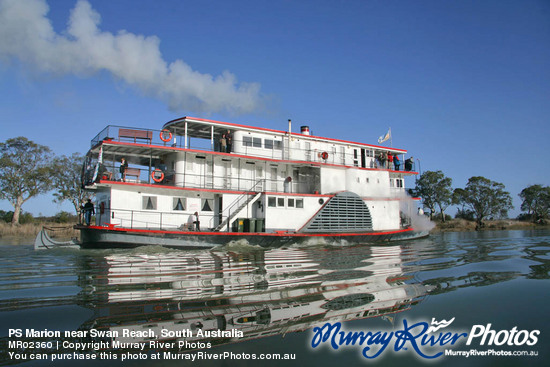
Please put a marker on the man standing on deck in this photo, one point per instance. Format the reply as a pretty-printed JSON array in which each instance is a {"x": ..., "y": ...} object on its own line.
[
  {"x": 123, "y": 167},
  {"x": 88, "y": 210},
  {"x": 229, "y": 142},
  {"x": 197, "y": 222}
]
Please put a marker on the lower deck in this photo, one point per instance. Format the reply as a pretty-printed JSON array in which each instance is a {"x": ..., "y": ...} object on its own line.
[
  {"x": 137, "y": 207},
  {"x": 111, "y": 236}
]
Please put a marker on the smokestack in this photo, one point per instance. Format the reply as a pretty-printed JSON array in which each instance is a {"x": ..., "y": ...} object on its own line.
[
  {"x": 305, "y": 130},
  {"x": 289, "y": 126}
]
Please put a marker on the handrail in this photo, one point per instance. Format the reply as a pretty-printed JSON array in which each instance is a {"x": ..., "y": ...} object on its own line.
[
  {"x": 149, "y": 224},
  {"x": 310, "y": 155},
  {"x": 215, "y": 181},
  {"x": 238, "y": 203}
]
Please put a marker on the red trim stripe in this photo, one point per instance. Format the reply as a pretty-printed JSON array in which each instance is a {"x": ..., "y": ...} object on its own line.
[{"x": 267, "y": 234}]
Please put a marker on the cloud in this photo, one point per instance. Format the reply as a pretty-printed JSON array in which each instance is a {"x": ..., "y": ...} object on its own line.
[{"x": 83, "y": 49}]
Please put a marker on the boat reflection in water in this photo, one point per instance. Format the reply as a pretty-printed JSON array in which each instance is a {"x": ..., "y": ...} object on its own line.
[{"x": 244, "y": 295}]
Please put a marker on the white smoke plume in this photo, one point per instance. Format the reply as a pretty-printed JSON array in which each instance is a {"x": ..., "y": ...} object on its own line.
[
  {"x": 419, "y": 221},
  {"x": 27, "y": 34}
]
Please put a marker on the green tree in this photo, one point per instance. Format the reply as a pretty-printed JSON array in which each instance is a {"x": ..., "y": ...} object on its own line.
[
  {"x": 435, "y": 190},
  {"x": 485, "y": 198},
  {"x": 64, "y": 217},
  {"x": 67, "y": 180},
  {"x": 536, "y": 202},
  {"x": 25, "y": 172}
]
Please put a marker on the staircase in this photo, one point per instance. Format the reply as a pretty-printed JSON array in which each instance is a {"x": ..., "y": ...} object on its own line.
[
  {"x": 234, "y": 213},
  {"x": 241, "y": 203}
]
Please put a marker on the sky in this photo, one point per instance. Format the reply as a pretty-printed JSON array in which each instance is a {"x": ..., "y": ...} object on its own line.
[{"x": 464, "y": 85}]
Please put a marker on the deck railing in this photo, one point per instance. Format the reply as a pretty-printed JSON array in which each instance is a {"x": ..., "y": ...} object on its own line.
[
  {"x": 162, "y": 138},
  {"x": 202, "y": 181},
  {"x": 147, "y": 219}
]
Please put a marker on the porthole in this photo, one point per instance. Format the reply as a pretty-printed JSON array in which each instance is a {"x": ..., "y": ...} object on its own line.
[{"x": 321, "y": 201}]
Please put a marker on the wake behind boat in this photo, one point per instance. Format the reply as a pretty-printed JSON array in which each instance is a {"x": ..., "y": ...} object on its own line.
[{"x": 199, "y": 183}]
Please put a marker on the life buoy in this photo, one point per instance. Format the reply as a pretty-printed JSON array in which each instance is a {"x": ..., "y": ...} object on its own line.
[
  {"x": 324, "y": 155},
  {"x": 163, "y": 135},
  {"x": 156, "y": 177}
]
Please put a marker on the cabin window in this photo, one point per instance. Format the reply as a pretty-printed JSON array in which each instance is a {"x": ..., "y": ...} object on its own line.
[
  {"x": 207, "y": 205},
  {"x": 299, "y": 203},
  {"x": 257, "y": 142},
  {"x": 271, "y": 202},
  {"x": 179, "y": 203},
  {"x": 149, "y": 203},
  {"x": 268, "y": 144},
  {"x": 247, "y": 141},
  {"x": 278, "y": 144},
  {"x": 290, "y": 203},
  {"x": 281, "y": 202}
]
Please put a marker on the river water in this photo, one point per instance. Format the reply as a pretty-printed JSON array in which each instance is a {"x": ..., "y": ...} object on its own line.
[{"x": 242, "y": 306}]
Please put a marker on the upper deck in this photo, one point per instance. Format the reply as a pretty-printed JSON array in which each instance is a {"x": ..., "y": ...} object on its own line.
[{"x": 254, "y": 142}]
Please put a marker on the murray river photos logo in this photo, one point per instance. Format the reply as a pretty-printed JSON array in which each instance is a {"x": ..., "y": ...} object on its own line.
[{"x": 428, "y": 341}]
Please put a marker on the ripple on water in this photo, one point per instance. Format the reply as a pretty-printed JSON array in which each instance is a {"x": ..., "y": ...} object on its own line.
[{"x": 74, "y": 289}]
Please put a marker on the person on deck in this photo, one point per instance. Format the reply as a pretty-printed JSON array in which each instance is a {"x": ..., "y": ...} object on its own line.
[
  {"x": 409, "y": 164},
  {"x": 396, "y": 162},
  {"x": 223, "y": 144},
  {"x": 123, "y": 167},
  {"x": 88, "y": 210},
  {"x": 197, "y": 222},
  {"x": 228, "y": 139},
  {"x": 381, "y": 158}
]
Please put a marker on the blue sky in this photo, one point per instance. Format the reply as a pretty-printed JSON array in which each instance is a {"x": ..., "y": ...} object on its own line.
[{"x": 464, "y": 85}]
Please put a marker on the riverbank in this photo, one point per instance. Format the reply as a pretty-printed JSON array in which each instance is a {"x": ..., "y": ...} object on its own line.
[
  {"x": 30, "y": 230},
  {"x": 461, "y": 225}
]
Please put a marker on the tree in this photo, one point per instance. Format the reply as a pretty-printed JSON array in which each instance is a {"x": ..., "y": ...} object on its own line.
[
  {"x": 536, "y": 202},
  {"x": 67, "y": 180},
  {"x": 485, "y": 198},
  {"x": 434, "y": 189},
  {"x": 25, "y": 172}
]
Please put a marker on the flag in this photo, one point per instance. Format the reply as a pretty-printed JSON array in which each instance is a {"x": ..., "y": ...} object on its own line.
[{"x": 385, "y": 137}]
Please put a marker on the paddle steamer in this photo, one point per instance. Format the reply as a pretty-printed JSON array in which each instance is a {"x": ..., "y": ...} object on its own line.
[{"x": 200, "y": 183}]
